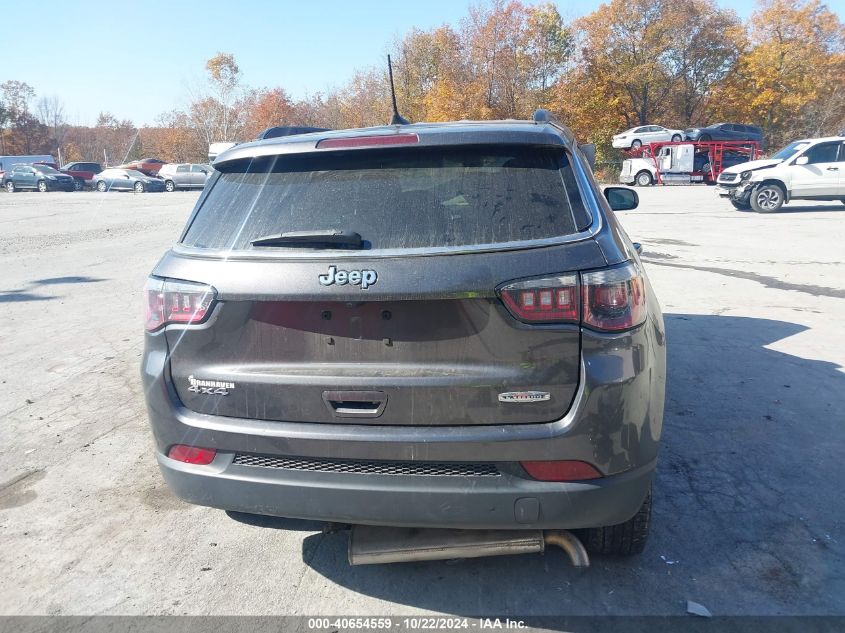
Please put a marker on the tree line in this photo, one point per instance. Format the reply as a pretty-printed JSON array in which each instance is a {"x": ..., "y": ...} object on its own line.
[{"x": 672, "y": 62}]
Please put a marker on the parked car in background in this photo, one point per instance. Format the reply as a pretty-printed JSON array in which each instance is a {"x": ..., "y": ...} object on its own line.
[
  {"x": 37, "y": 178},
  {"x": 184, "y": 175},
  {"x": 809, "y": 169},
  {"x": 636, "y": 137},
  {"x": 730, "y": 159},
  {"x": 119, "y": 179},
  {"x": 724, "y": 132},
  {"x": 81, "y": 176},
  {"x": 7, "y": 162},
  {"x": 149, "y": 166},
  {"x": 82, "y": 173}
]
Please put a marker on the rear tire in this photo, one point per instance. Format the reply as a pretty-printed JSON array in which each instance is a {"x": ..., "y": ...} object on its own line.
[
  {"x": 101, "y": 186},
  {"x": 169, "y": 186},
  {"x": 624, "y": 539},
  {"x": 742, "y": 206},
  {"x": 10, "y": 187},
  {"x": 676, "y": 138},
  {"x": 42, "y": 186},
  {"x": 767, "y": 199},
  {"x": 644, "y": 179}
]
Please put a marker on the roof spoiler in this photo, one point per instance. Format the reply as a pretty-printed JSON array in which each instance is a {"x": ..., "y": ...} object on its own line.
[
  {"x": 589, "y": 152},
  {"x": 287, "y": 130},
  {"x": 544, "y": 116},
  {"x": 588, "y": 149}
]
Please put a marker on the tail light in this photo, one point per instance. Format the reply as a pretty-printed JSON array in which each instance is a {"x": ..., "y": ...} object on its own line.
[
  {"x": 547, "y": 300},
  {"x": 614, "y": 298},
  {"x": 169, "y": 301},
  {"x": 609, "y": 300},
  {"x": 561, "y": 470},
  {"x": 192, "y": 454}
]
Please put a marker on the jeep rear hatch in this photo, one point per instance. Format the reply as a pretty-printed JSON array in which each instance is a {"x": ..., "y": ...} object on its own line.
[{"x": 411, "y": 326}]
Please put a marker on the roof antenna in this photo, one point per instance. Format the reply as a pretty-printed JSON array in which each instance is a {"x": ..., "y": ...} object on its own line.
[{"x": 396, "y": 119}]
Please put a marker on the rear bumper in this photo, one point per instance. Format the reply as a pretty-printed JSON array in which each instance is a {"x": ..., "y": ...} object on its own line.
[
  {"x": 614, "y": 423},
  {"x": 504, "y": 501}
]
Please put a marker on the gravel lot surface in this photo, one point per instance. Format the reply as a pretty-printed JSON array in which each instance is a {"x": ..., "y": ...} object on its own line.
[{"x": 749, "y": 503}]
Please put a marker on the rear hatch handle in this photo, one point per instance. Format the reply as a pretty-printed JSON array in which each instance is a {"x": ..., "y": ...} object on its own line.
[{"x": 355, "y": 404}]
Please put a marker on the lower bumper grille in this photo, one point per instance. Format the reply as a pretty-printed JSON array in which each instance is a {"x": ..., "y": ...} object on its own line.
[{"x": 422, "y": 469}]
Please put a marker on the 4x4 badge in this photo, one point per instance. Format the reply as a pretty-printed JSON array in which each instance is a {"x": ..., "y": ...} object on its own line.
[
  {"x": 363, "y": 278},
  {"x": 524, "y": 396}
]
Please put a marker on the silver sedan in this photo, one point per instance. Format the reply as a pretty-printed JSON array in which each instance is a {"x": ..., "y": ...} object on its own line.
[{"x": 126, "y": 180}]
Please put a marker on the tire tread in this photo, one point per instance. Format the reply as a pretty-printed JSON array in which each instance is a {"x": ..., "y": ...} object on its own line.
[{"x": 624, "y": 539}]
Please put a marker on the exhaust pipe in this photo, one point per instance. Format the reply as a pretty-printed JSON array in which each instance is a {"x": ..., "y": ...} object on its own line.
[
  {"x": 371, "y": 545},
  {"x": 570, "y": 544}
]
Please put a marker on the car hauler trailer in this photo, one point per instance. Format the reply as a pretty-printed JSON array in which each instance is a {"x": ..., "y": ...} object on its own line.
[{"x": 668, "y": 162}]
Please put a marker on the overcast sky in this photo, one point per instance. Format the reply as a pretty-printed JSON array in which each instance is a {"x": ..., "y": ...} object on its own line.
[{"x": 137, "y": 60}]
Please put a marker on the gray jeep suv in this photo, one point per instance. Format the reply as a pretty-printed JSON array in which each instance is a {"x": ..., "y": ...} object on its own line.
[{"x": 425, "y": 325}]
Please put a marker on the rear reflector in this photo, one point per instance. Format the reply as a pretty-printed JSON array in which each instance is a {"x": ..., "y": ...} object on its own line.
[
  {"x": 191, "y": 454},
  {"x": 168, "y": 301},
  {"x": 546, "y": 300},
  {"x": 368, "y": 141},
  {"x": 564, "y": 470}
]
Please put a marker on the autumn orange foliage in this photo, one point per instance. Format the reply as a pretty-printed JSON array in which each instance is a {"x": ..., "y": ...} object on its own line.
[{"x": 630, "y": 62}]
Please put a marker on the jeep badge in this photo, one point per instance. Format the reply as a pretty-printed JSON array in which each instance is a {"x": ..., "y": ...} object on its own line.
[{"x": 363, "y": 278}]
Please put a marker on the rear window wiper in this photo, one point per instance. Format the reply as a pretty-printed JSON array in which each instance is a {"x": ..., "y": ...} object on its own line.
[{"x": 330, "y": 238}]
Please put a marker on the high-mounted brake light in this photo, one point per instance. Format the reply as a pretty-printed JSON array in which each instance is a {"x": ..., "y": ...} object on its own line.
[
  {"x": 368, "y": 141},
  {"x": 192, "y": 454},
  {"x": 610, "y": 300},
  {"x": 168, "y": 301},
  {"x": 547, "y": 300},
  {"x": 614, "y": 298}
]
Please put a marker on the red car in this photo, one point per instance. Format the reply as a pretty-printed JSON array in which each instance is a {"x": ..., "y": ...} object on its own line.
[
  {"x": 83, "y": 173},
  {"x": 149, "y": 166}
]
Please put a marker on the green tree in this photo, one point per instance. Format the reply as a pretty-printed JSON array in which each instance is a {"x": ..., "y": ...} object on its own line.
[
  {"x": 549, "y": 45},
  {"x": 17, "y": 95},
  {"x": 706, "y": 54}
]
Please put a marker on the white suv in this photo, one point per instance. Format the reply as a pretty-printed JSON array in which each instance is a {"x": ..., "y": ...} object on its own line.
[{"x": 811, "y": 169}]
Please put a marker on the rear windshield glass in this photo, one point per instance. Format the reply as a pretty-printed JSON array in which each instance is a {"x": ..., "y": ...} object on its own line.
[{"x": 395, "y": 199}]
